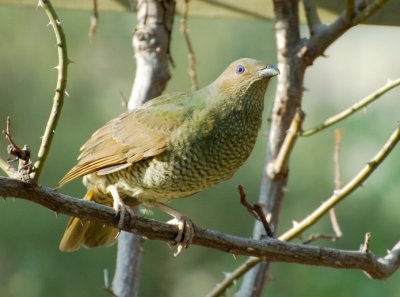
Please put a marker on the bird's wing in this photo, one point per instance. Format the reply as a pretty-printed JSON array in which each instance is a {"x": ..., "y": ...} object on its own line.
[{"x": 133, "y": 136}]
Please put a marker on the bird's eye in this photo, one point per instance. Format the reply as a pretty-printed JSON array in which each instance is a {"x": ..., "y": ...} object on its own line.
[{"x": 240, "y": 69}]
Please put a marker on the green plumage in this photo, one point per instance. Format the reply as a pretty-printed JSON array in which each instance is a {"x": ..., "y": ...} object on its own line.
[{"x": 177, "y": 144}]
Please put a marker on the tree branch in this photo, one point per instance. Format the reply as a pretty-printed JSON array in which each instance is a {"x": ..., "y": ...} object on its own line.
[
  {"x": 339, "y": 195},
  {"x": 326, "y": 35},
  {"x": 58, "y": 99},
  {"x": 313, "y": 20},
  {"x": 354, "y": 108},
  {"x": 269, "y": 248},
  {"x": 151, "y": 42},
  {"x": 287, "y": 100},
  {"x": 191, "y": 55},
  {"x": 294, "y": 56}
]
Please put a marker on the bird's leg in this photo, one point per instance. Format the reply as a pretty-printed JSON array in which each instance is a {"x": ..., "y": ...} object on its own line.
[
  {"x": 185, "y": 226},
  {"x": 118, "y": 205}
]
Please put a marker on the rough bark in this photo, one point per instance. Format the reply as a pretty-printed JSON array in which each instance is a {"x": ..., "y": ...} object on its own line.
[
  {"x": 286, "y": 102},
  {"x": 270, "y": 249},
  {"x": 151, "y": 44}
]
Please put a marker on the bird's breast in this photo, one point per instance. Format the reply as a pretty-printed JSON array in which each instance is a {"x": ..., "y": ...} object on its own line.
[{"x": 199, "y": 156}]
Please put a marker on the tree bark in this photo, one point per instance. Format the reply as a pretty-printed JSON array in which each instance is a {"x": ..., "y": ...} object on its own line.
[
  {"x": 287, "y": 100},
  {"x": 151, "y": 42}
]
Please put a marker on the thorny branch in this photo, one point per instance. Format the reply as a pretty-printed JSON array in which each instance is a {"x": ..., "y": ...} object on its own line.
[
  {"x": 316, "y": 214},
  {"x": 354, "y": 108},
  {"x": 294, "y": 54},
  {"x": 268, "y": 249},
  {"x": 345, "y": 191},
  {"x": 58, "y": 99}
]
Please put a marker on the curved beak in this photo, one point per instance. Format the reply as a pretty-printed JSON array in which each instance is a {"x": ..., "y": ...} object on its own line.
[{"x": 269, "y": 71}]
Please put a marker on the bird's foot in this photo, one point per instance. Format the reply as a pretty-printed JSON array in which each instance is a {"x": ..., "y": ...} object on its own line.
[
  {"x": 185, "y": 233},
  {"x": 122, "y": 209},
  {"x": 119, "y": 206},
  {"x": 185, "y": 226}
]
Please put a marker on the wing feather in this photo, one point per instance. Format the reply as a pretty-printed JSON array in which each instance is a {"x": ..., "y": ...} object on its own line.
[{"x": 133, "y": 136}]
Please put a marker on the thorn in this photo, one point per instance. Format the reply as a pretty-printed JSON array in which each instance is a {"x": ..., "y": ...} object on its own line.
[
  {"x": 40, "y": 4},
  {"x": 48, "y": 24},
  {"x": 70, "y": 61},
  {"x": 295, "y": 223},
  {"x": 367, "y": 240},
  {"x": 234, "y": 257},
  {"x": 56, "y": 67},
  {"x": 66, "y": 93},
  {"x": 58, "y": 22},
  {"x": 56, "y": 213}
]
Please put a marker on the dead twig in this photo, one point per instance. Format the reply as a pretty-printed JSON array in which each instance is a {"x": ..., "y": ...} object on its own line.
[
  {"x": 256, "y": 210},
  {"x": 191, "y": 54},
  {"x": 22, "y": 155}
]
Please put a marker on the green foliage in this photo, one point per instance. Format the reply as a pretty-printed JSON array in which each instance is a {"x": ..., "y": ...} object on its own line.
[{"x": 30, "y": 263}]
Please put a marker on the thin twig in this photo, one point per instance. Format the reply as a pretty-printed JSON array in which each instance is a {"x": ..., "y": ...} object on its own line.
[
  {"x": 23, "y": 155},
  {"x": 354, "y": 108},
  {"x": 191, "y": 55},
  {"x": 94, "y": 20},
  {"x": 368, "y": 11},
  {"x": 315, "y": 236},
  {"x": 256, "y": 210},
  {"x": 336, "y": 164},
  {"x": 278, "y": 166},
  {"x": 60, "y": 92},
  {"x": 313, "y": 20},
  {"x": 306, "y": 223},
  {"x": 351, "y": 186}
]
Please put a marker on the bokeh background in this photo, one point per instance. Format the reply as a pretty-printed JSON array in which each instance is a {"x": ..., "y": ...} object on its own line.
[{"x": 361, "y": 61}]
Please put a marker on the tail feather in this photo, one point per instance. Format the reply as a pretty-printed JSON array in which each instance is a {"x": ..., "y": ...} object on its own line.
[{"x": 86, "y": 233}]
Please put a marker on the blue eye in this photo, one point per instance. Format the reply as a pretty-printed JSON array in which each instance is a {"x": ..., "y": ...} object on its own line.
[{"x": 240, "y": 69}]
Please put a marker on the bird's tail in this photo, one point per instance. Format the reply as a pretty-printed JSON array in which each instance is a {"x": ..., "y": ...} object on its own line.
[{"x": 86, "y": 233}]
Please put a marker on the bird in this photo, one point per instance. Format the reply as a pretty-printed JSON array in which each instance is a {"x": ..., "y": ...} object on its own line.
[{"x": 173, "y": 146}]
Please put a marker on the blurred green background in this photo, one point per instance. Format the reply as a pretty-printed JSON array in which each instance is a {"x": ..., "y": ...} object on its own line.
[{"x": 361, "y": 61}]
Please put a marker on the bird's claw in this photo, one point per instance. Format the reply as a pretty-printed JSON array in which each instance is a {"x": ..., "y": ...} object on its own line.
[
  {"x": 122, "y": 209},
  {"x": 185, "y": 233}
]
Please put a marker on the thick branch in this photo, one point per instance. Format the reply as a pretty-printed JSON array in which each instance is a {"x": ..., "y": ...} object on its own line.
[
  {"x": 151, "y": 43},
  {"x": 269, "y": 249},
  {"x": 326, "y": 35},
  {"x": 287, "y": 100}
]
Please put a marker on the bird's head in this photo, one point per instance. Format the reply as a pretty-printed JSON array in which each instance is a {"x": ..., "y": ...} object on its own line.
[{"x": 246, "y": 77}]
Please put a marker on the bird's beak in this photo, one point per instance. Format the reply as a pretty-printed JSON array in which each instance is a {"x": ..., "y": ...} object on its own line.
[{"x": 269, "y": 71}]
